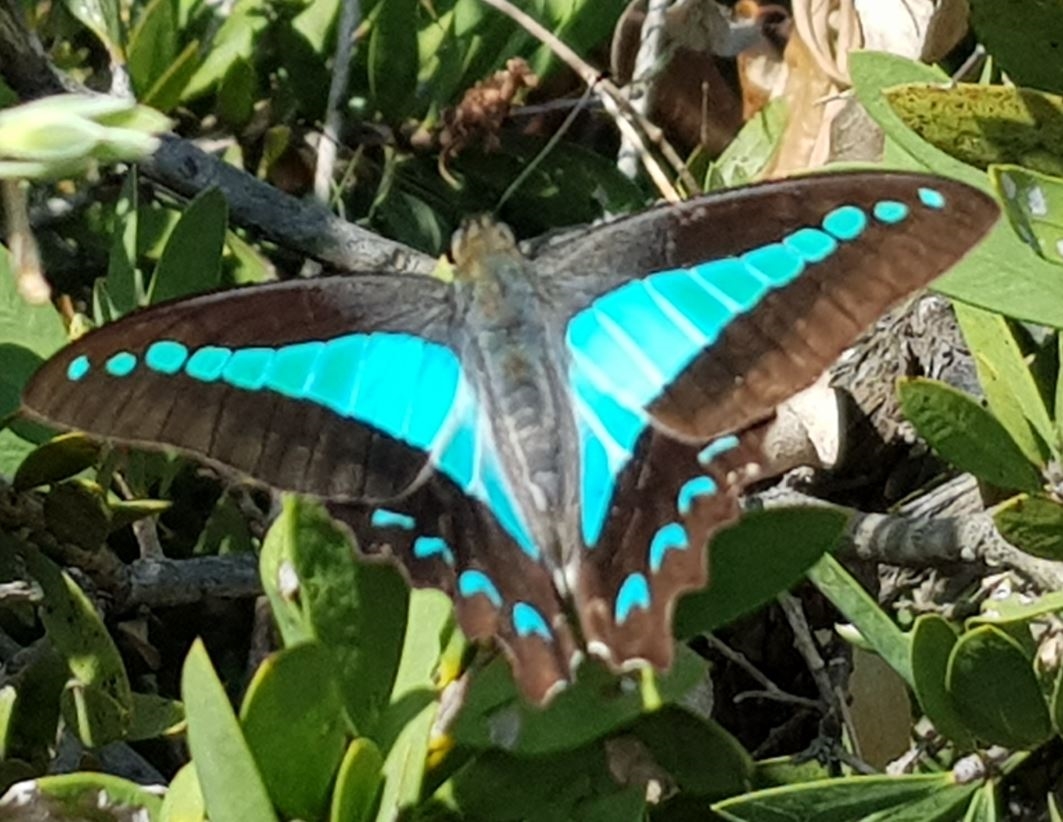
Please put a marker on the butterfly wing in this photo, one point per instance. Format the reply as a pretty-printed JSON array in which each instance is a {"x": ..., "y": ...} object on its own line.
[
  {"x": 689, "y": 323},
  {"x": 335, "y": 387},
  {"x": 707, "y": 315}
]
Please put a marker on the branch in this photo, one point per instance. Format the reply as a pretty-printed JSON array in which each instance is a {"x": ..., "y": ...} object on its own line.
[{"x": 179, "y": 166}]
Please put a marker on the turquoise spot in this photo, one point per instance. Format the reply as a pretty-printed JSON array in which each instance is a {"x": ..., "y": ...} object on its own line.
[
  {"x": 813, "y": 245},
  {"x": 890, "y": 211},
  {"x": 383, "y": 518},
  {"x": 472, "y": 582},
  {"x": 670, "y": 537},
  {"x": 703, "y": 308},
  {"x": 334, "y": 380},
  {"x": 379, "y": 396},
  {"x": 247, "y": 368},
  {"x": 121, "y": 364},
  {"x": 527, "y": 621},
  {"x": 697, "y": 487},
  {"x": 776, "y": 262},
  {"x": 739, "y": 286},
  {"x": 207, "y": 363},
  {"x": 78, "y": 368},
  {"x": 932, "y": 198},
  {"x": 634, "y": 593},
  {"x": 427, "y": 547},
  {"x": 846, "y": 223},
  {"x": 717, "y": 448},
  {"x": 292, "y": 367},
  {"x": 166, "y": 356}
]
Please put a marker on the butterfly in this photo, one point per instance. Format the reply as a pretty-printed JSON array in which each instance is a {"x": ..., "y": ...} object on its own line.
[{"x": 552, "y": 440}]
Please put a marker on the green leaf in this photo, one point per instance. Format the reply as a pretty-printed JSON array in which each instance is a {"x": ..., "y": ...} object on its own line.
[
  {"x": 124, "y": 283},
  {"x": 31, "y": 704},
  {"x": 28, "y": 334},
  {"x": 77, "y": 512},
  {"x": 1033, "y": 289},
  {"x": 155, "y": 716},
  {"x": 932, "y": 641},
  {"x": 191, "y": 260},
  {"x": 1034, "y": 524},
  {"x": 849, "y": 597},
  {"x": 79, "y": 635},
  {"x": 1034, "y": 203},
  {"x": 236, "y": 96},
  {"x": 1010, "y": 389},
  {"x": 184, "y": 800},
  {"x": 1023, "y": 37},
  {"x": 406, "y": 729},
  {"x": 393, "y": 60},
  {"x": 318, "y": 591},
  {"x": 751, "y": 150},
  {"x": 357, "y": 783},
  {"x": 995, "y": 690},
  {"x": 1017, "y": 607},
  {"x": 101, "y": 17},
  {"x": 237, "y": 38},
  {"x": 168, "y": 89},
  {"x": 983, "y": 807},
  {"x": 93, "y": 795},
  {"x": 967, "y": 435},
  {"x": 982, "y": 125},
  {"x": 592, "y": 707},
  {"x": 292, "y": 720},
  {"x": 765, "y": 554},
  {"x": 845, "y": 799},
  {"x": 153, "y": 44},
  {"x": 58, "y": 459},
  {"x": 231, "y": 784}
]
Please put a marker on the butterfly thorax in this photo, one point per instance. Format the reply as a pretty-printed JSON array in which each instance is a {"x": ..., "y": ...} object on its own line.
[{"x": 507, "y": 335}]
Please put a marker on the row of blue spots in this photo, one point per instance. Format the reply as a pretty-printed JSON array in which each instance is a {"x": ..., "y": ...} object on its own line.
[
  {"x": 527, "y": 619},
  {"x": 400, "y": 384}
]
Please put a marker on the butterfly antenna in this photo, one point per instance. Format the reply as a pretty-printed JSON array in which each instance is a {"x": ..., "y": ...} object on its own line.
[{"x": 553, "y": 141}]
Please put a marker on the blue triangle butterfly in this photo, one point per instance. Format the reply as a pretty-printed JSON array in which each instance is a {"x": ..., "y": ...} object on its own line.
[{"x": 553, "y": 440}]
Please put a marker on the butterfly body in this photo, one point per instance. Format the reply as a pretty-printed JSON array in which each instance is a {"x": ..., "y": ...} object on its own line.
[{"x": 550, "y": 440}]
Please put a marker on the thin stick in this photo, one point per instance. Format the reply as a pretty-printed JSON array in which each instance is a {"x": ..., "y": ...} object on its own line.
[{"x": 350, "y": 13}]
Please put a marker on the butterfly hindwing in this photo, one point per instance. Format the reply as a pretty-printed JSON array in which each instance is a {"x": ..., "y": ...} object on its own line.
[
  {"x": 312, "y": 386},
  {"x": 443, "y": 538}
]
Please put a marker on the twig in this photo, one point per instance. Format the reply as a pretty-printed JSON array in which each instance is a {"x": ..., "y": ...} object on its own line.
[
  {"x": 770, "y": 689},
  {"x": 350, "y": 13},
  {"x": 163, "y": 583},
  {"x": 642, "y": 87}
]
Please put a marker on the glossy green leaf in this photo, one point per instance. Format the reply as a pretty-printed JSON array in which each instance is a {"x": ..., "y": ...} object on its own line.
[
  {"x": 292, "y": 719},
  {"x": 319, "y": 591},
  {"x": 982, "y": 125},
  {"x": 91, "y": 795},
  {"x": 1004, "y": 374},
  {"x": 1032, "y": 523},
  {"x": 357, "y": 783},
  {"x": 764, "y": 554},
  {"x": 932, "y": 641},
  {"x": 751, "y": 150},
  {"x": 184, "y": 800},
  {"x": 58, "y": 459},
  {"x": 1023, "y": 37},
  {"x": 995, "y": 690},
  {"x": 860, "y": 608},
  {"x": 246, "y": 264},
  {"x": 77, "y": 512},
  {"x": 191, "y": 261},
  {"x": 1017, "y": 607},
  {"x": 93, "y": 714},
  {"x": 31, "y": 697},
  {"x": 1033, "y": 289},
  {"x": 967, "y": 435},
  {"x": 169, "y": 88},
  {"x": 393, "y": 60},
  {"x": 983, "y": 806},
  {"x": 846, "y": 799},
  {"x": 79, "y": 635},
  {"x": 232, "y": 787},
  {"x": 1034, "y": 204},
  {"x": 236, "y": 96}
]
